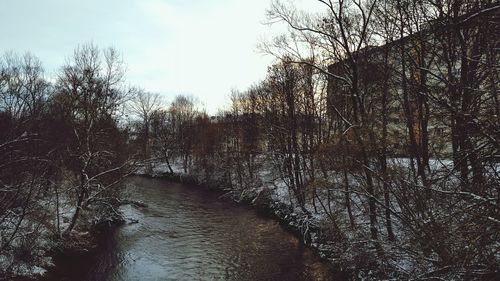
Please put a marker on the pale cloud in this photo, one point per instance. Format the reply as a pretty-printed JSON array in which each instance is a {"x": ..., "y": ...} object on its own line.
[
  {"x": 203, "y": 48},
  {"x": 213, "y": 48}
]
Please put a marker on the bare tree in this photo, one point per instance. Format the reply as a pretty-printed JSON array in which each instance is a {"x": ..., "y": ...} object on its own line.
[
  {"x": 143, "y": 106},
  {"x": 183, "y": 112},
  {"x": 90, "y": 93}
]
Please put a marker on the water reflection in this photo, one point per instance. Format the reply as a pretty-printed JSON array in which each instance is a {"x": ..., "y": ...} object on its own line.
[{"x": 189, "y": 234}]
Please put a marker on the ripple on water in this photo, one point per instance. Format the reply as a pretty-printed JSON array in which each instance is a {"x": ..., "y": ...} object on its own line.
[{"x": 187, "y": 233}]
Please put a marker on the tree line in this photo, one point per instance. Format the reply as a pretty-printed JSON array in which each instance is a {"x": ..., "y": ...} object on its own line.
[
  {"x": 63, "y": 150},
  {"x": 378, "y": 121},
  {"x": 67, "y": 143},
  {"x": 379, "y": 116}
]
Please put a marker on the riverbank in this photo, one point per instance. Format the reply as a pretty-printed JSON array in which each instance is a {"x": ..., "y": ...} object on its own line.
[
  {"x": 41, "y": 253},
  {"x": 340, "y": 235}
]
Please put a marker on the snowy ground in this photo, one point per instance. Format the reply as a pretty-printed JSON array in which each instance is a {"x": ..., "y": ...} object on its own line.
[
  {"x": 28, "y": 255},
  {"x": 353, "y": 247}
]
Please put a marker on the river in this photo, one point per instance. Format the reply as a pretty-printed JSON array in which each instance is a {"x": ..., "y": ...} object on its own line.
[{"x": 189, "y": 233}]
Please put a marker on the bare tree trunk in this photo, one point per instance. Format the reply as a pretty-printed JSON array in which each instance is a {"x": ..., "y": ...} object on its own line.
[
  {"x": 347, "y": 192},
  {"x": 79, "y": 203}
]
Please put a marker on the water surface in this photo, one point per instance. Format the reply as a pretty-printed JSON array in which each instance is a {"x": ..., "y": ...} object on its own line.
[{"x": 189, "y": 233}]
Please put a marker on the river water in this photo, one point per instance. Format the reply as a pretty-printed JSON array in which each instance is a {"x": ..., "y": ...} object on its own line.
[{"x": 189, "y": 233}]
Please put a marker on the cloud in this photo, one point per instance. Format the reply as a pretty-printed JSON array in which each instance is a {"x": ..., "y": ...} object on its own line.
[
  {"x": 211, "y": 48},
  {"x": 204, "y": 48}
]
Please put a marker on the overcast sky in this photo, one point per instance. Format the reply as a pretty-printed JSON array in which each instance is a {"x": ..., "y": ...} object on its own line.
[{"x": 199, "y": 47}]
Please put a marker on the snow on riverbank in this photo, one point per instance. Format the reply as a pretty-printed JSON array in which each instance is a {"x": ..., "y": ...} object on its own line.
[
  {"x": 323, "y": 223},
  {"x": 39, "y": 235}
]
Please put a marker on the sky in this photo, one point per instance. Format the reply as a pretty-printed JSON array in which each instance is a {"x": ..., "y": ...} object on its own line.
[{"x": 203, "y": 48}]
